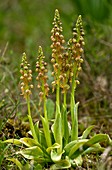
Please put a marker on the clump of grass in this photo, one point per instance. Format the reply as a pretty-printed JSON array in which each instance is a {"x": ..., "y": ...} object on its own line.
[{"x": 57, "y": 146}]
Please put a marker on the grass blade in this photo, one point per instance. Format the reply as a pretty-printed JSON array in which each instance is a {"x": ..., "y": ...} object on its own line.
[{"x": 87, "y": 131}]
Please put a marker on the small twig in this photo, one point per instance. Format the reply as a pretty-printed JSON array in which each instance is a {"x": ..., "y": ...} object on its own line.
[
  {"x": 106, "y": 43},
  {"x": 5, "y": 49}
]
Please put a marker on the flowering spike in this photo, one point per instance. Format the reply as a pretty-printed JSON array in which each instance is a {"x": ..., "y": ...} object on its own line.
[
  {"x": 41, "y": 77},
  {"x": 75, "y": 49},
  {"x": 26, "y": 77},
  {"x": 57, "y": 47}
]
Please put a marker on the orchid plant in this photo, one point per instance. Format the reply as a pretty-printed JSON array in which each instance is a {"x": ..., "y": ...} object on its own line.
[{"x": 57, "y": 144}]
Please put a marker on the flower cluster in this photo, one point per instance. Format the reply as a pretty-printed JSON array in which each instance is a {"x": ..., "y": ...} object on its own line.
[
  {"x": 26, "y": 77},
  {"x": 66, "y": 60},
  {"x": 75, "y": 48},
  {"x": 42, "y": 77},
  {"x": 57, "y": 48}
]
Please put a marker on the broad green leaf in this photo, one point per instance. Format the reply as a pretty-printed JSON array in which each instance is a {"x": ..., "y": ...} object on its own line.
[
  {"x": 63, "y": 164},
  {"x": 17, "y": 162},
  {"x": 74, "y": 129},
  {"x": 46, "y": 131},
  {"x": 87, "y": 131},
  {"x": 50, "y": 109},
  {"x": 37, "y": 167},
  {"x": 77, "y": 146},
  {"x": 31, "y": 153},
  {"x": 28, "y": 142},
  {"x": 77, "y": 162},
  {"x": 43, "y": 160},
  {"x": 55, "y": 156},
  {"x": 42, "y": 139},
  {"x": 13, "y": 141},
  {"x": 96, "y": 139},
  {"x": 57, "y": 130},
  {"x": 95, "y": 148},
  {"x": 32, "y": 128},
  {"x": 90, "y": 143},
  {"x": 65, "y": 126},
  {"x": 54, "y": 146},
  {"x": 27, "y": 166},
  {"x": 69, "y": 146},
  {"x": 36, "y": 127}
]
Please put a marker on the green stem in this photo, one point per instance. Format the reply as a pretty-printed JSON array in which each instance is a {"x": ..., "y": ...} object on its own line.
[
  {"x": 58, "y": 98},
  {"x": 64, "y": 120},
  {"x": 45, "y": 109},
  {"x": 46, "y": 125},
  {"x": 65, "y": 94},
  {"x": 74, "y": 134},
  {"x": 30, "y": 120},
  {"x": 58, "y": 119}
]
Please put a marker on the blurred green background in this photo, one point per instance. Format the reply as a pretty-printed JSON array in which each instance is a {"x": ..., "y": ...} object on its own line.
[{"x": 25, "y": 24}]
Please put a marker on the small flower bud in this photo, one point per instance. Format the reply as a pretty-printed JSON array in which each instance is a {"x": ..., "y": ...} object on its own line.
[
  {"x": 41, "y": 94},
  {"x": 77, "y": 45},
  {"x": 79, "y": 69},
  {"x": 38, "y": 86},
  {"x": 22, "y": 84},
  {"x": 25, "y": 75},
  {"x": 21, "y": 77},
  {"x": 81, "y": 60},
  {"x": 31, "y": 86},
  {"x": 53, "y": 60},
  {"x": 30, "y": 71},
  {"x": 77, "y": 81},
  {"x": 57, "y": 34},
  {"x": 46, "y": 85},
  {"x": 25, "y": 67},
  {"x": 81, "y": 50},
  {"x": 37, "y": 78},
  {"x": 63, "y": 41},
  {"x": 58, "y": 43},
  {"x": 21, "y": 71},
  {"x": 52, "y": 73},
  {"x": 83, "y": 43},
  {"x": 61, "y": 77},
  {"x": 28, "y": 91}
]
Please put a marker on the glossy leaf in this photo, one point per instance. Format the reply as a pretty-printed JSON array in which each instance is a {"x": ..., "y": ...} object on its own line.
[
  {"x": 42, "y": 139},
  {"x": 46, "y": 131},
  {"x": 77, "y": 146},
  {"x": 70, "y": 145},
  {"x": 87, "y": 131},
  {"x": 14, "y": 141},
  {"x": 50, "y": 109},
  {"x": 54, "y": 146},
  {"x": 91, "y": 143},
  {"x": 36, "y": 127},
  {"x": 57, "y": 130},
  {"x": 63, "y": 164},
  {"x": 31, "y": 153},
  {"x": 95, "y": 148},
  {"x": 55, "y": 156},
  {"x": 74, "y": 134},
  {"x": 28, "y": 142},
  {"x": 37, "y": 167},
  {"x": 77, "y": 161},
  {"x": 65, "y": 126},
  {"x": 17, "y": 162},
  {"x": 32, "y": 128}
]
